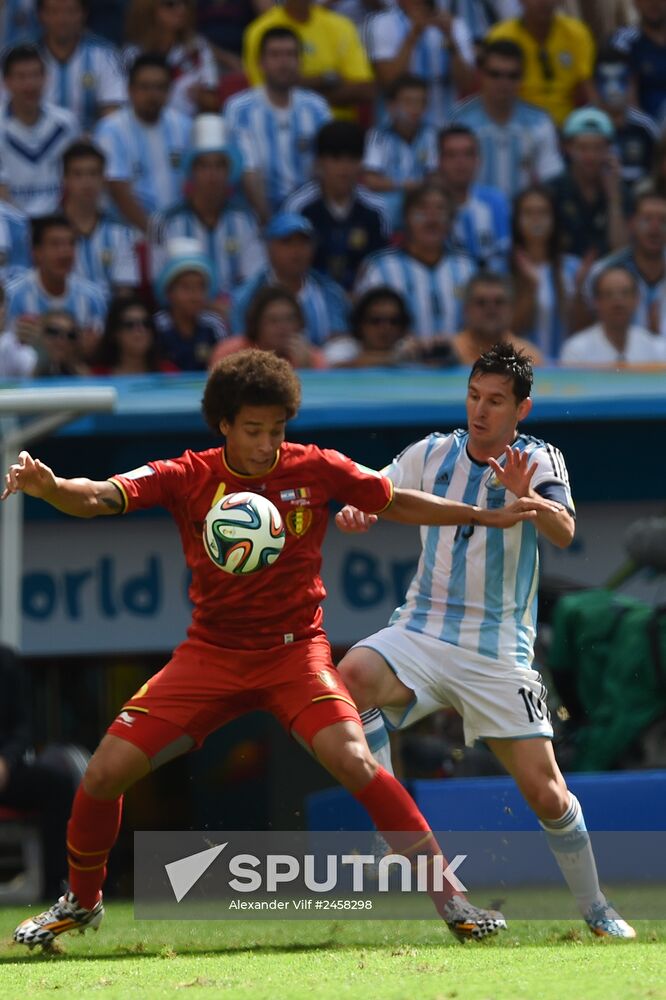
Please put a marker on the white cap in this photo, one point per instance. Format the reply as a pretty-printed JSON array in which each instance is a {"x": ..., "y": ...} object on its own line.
[
  {"x": 209, "y": 135},
  {"x": 183, "y": 254}
]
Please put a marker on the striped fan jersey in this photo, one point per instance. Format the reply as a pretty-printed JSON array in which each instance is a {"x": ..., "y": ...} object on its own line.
[
  {"x": 324, "y": 304},
  {"x": 651, "y": 311},
  {"x": 476, "y": 587},
  {"x": 149, "y": 157},
  {"x": 234, "y": 245},
  {"x": 384, "y": 35},
  {"x": 27, "y": 297},
  {"x": 107, "y": 256},
  {"x": 482, "y": 228},
  {"x": 277, "y": 142},
  {"x": 31, "y": 157},
  {"x": 90, "y": 80},
  {"x": 282, "y": 602},
  {"x": 15, "y": 253},
  {"x": 523, "y": 151},
  {"x": 434, "y": 295}
]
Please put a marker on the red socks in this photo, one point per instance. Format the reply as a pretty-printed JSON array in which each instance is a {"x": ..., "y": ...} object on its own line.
[
  {"x": 91, "y": 833},
  {"x": 393, "y": 809}
]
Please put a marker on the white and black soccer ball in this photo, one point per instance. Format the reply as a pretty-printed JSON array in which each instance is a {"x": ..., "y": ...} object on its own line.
[{"x": 243, "y": 533}]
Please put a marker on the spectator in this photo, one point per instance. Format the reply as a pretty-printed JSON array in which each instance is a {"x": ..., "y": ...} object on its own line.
[
  {"x": 614, "y": 340},
  {"x": 290, "y": 240},
  {"x": 590, "y": 201},
  {"x": 421, "y": 37},
  {"x": 18, "y": 22},
  {"x": 645, "y": 258},
  {"x": 51, "y": 285},
  {"x": 334, "y": 61},
  {"x": 107, "y": 19},
  {"x": 167, "y": 27},
  {"x": 224, "y": 22},
  {"x": 488, "y": 305},
  {"x": 105, "y": 252},
  {"x": 635, "y": 132},
  {"x": 349, "y": 220},
  {"x": 187, "y": 331},
  {"x": 518, "y": 141},
  {"x": 559, "y": 56},
  {"x": 655, "y": 183},
  {"x": 546, "y": 280},
  {"x": 33, "y": 135},
  {"x": 59, "y": 346},
  {"x": 379, "y": 323},
  {"x": 482, "y": 217},
  {"x": 275, "y": 124},
  {"x": 429, "y": 278},
  {"x": 128, "y": 345},
  {"x": 40, "y": 783},
  {"x": 645, "y": 46},
  {"x": 400, "y": 156},
  {"x": 17, "y": 358},
  {"x": 83, "y": 73},
  {"x": 14, "y": 241},
  {"x": 275, "y": 322},
  {"x": 207, "y": 213},
  {"x": 145, "y": 144}
]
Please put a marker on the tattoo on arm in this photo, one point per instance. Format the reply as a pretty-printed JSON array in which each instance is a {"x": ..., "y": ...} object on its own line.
[{"x": 112, "y": 503}]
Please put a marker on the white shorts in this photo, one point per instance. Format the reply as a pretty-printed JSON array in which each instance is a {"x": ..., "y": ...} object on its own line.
[{"x": 496, "y": 699}]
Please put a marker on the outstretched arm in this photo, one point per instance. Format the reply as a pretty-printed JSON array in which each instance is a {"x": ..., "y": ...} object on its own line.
[
  {"x": 77, "y": 497},
  {"x": 556, "y": 524},
  {"x": 415, "y": 507}
]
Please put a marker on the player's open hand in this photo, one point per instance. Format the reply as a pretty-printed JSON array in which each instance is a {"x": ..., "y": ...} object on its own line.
[
  {"x": 29, "y": 475},
  {"x": 516, "y": 474},
  {"x": 523, "y": 509},
  {"x": 351, "y": 521}
]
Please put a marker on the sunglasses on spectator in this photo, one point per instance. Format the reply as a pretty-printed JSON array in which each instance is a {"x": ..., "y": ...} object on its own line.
[
  {"x": 135, "y": 324},
  {"x": 377, "y": 320},
  {"x": 483, "y": 302},
  {"x": 501, "y": 74},
  {"x": 57, "y": 331}
]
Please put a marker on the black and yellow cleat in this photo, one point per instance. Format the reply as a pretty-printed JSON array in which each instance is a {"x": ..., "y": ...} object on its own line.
[
  {"x": 65, "y": 915},
  {"x": 470, "y": 923}
]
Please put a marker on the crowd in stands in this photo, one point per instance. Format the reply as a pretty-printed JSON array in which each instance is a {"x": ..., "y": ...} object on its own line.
[{"x": 350, "y": 183}]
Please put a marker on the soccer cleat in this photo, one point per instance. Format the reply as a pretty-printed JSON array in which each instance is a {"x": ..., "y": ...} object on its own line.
[
  {"x": 469, "y": 923},
  {"x": 604, "y": 921},
  {"x": 65, "y": 915}
]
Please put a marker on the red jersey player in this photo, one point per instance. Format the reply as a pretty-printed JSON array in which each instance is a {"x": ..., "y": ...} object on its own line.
[{"x": 254, "y": 642}]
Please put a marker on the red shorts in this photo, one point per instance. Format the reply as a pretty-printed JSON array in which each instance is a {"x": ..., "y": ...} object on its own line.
[{"x": 203, "y": 687}]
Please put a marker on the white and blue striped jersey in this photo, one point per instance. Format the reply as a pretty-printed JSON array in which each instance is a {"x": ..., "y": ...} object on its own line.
[
  {"x": 277, "y": 142},
  {"x": 476, "y": 587},
  {"x": 15, "y": 255},
  {"x": 522, "y": 151},
  {"x": 384, "y": 35},
  {"x": 92, "y": 79},
  {"x": 388, "y": 154},
  {"x": 31, "y": 157},
  {"x": 651, "y": 311},
  {"x": 434, "y": 295},
  {"x": 550, "y": 328},
  {"x": 27, "y": 297},
  {"x": 234, "y": 245},
  {"x": 107, "y": 256},
  {"x": 18, "y": 22},
  {"x": 482, "y": 228},
  {"x": 323, "y": 302},
  {"x": 149, "y": 157}
]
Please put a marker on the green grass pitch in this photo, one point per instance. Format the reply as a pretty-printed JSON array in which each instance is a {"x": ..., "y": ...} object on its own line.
[{"x": 345, "y": 960}]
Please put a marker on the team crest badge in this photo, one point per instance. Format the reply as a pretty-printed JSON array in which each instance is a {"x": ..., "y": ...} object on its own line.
[
  {"x": 357, "y": 239},
  {"x": 298, "y": 521},
  {"x": 175, "y": 159},
  {"x": 327, "y": 679},
  {"x": 107, "y": 257},
  {"x": 88, "y": 81},
  {"x": 140, "y": 693},
  {"x": 231, "y": 245}
]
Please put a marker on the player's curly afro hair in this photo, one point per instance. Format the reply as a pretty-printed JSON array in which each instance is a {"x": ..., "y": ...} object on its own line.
[
  {"x": 505, "y": 359},
  {"x": 249, "y": 378}
]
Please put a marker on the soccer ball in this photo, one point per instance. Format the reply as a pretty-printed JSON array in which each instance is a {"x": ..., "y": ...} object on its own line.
[{"x": 243, "y": 532}]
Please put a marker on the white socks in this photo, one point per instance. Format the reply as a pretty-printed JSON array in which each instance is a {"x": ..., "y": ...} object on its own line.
[
  {"x": 377, "y": 736},
  {"x": 570, "y": 843}
]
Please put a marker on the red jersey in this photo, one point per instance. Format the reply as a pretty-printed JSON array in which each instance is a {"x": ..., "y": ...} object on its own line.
[{"x": 280, "y": 603}]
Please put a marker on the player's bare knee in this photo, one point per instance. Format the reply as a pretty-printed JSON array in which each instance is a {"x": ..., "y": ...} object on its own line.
[
  {"x": 353, "y": 766},
  {"x": 108, "y": 776},
  {"x": 358, "y": 679},
  {"x": 549, "y": 799}
]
